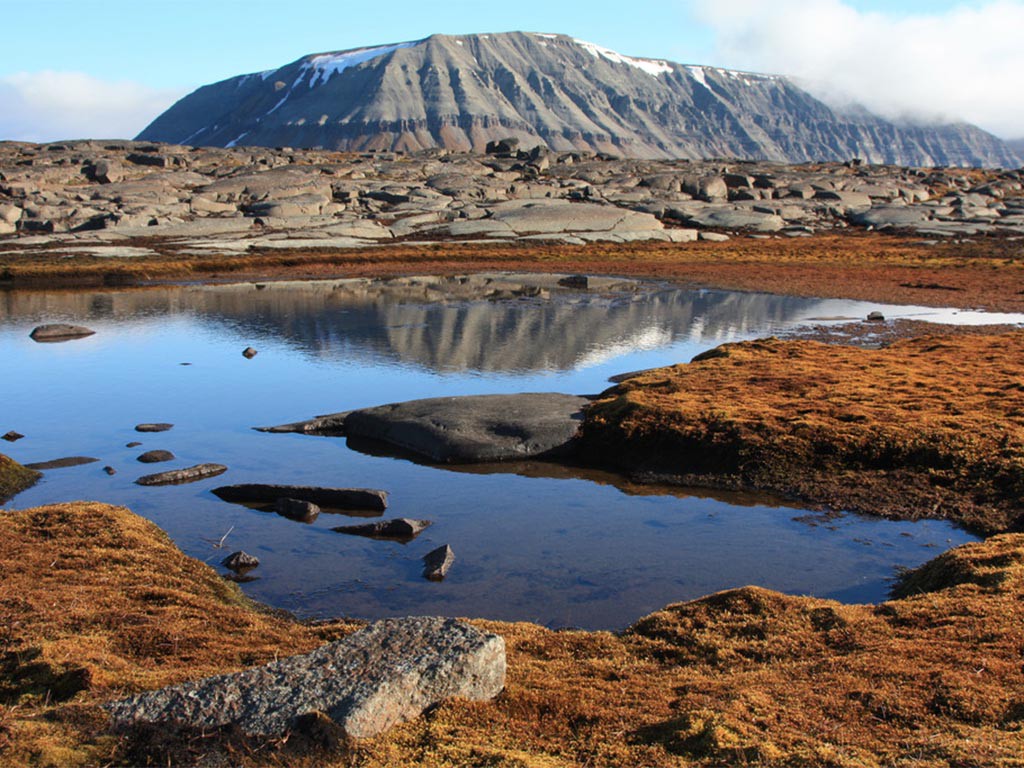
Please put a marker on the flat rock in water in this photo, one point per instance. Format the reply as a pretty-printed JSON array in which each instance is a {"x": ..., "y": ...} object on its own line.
[
  {"x": 187, "y": 475},
  {"x": 152, "y": 457},
  {"x": 385, "y": 674},
  {"x": 438, "y": 562},
  {"x": 297, "y": 509},
  {"x": 333, "y": 498},
  {"x": 158, "y": 427},
  {"x": 60, "y": 332},
  {"x": 475, "y": 428},
  {"x": 401, "y": 528},
  {"x": 70, "y": 461},
  {"x": 12, "y": 436}
]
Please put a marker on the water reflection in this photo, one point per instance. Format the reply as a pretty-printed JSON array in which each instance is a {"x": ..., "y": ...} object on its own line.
[{"x": 482, "y": 323}]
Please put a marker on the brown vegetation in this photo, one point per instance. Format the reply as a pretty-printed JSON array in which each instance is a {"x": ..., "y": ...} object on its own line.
[
  {"x": 96, "y": 602},
  {"x": 14, "y": 478},
  {"x": 985, "y": 273},
  {"x": 928, "y": 427}
]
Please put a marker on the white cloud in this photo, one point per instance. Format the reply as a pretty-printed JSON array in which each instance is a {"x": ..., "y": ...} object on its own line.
[
  {"x": 966, "y": 63},
  {"x": 49, "y": 106}
]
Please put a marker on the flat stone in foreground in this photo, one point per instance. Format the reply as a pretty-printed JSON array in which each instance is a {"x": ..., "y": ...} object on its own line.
[
  {"x": 187, "y": 475},
  {"x": 69, "y": 461},
  {"x": 474, "y": 428},
  {"x": 383, "y": 675},
  {"x": 332, "y": 498}
]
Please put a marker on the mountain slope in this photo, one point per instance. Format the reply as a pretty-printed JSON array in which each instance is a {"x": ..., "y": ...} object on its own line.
[{"x": 460, "y": 92}]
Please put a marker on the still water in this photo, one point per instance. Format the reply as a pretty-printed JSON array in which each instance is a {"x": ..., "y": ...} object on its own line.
[{"x": 533, "y": 541}]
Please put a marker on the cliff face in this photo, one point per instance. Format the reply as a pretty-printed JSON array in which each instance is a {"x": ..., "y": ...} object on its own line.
[{"x": 459, "y": 92}]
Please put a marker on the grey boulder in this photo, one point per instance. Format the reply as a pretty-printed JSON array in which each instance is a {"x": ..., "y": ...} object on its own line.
[
  {"x": 385, "y": 674},
  {"x": 474, "y": 428}
]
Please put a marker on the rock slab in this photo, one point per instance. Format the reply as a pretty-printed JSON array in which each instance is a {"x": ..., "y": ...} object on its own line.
[
  {"x": 332, "y": 498},
  {"x": 474, "y": 428},
  {"x": 60, "y": 332},
  {"x": 385, "y": 674},
  {"x": 187, "y": 475},
  {"x": 401, "y": 528}
]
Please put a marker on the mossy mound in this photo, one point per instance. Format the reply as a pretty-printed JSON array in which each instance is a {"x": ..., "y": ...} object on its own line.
[
  {"x": 15, "y": 478},
  {"x": 930, "y": 426}
]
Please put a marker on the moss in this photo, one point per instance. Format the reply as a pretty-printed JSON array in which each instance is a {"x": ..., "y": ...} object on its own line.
[{"x": 15, "y": 478}]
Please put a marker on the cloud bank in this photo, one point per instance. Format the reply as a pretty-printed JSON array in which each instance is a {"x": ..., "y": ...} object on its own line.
[
  {"x": 966, "y": 63},
  {"x": 50, "y": 106}
]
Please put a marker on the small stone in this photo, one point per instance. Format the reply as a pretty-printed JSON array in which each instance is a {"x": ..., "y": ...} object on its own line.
[
  {"x": 438, "y": 562},
  {"x": 12, "y": 436},
  {"x": 876, "y": 317},
  {"x": 132, "y": 445},
  {"x": 110, "y": 470},
  {"x": 240, "y": 561},
  {"x": 249, "y": 353},
  {"x": 297, "y": 509},
  {"x": 580, "y": 282},
  {"x": 60, "y": 332},
  {"x": 70, "y": 461},
  {"x": 152, "y": 457},
  {"x": 401, "y": 528},
  {"x": 159, "y": 427}
]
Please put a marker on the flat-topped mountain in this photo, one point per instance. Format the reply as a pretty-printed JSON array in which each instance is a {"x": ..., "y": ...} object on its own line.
[{"x": 461, "y": 92}]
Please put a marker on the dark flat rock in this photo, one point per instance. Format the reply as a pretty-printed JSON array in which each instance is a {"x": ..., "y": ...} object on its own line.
[
  {"x": 157, "y": 427},
  {"x": 240, "y": 561},
  {"x": 336, "y": 498},
  {"x": 153, "y": 457},
  {"x": 60, "y": 332},
  {"x": 187, "y": 475},
  {"x": 12, "y": 436},
  {"x": 476, "y": 428},
  {"x": 399, "y": 529},
  {"x": 375, "y": 678},
  {"x": 69, "y": 461},
  {"x": 438, "y": 562}
]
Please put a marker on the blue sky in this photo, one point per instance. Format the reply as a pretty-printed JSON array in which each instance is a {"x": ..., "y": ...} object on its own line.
[{"x": 65, "y": 58}]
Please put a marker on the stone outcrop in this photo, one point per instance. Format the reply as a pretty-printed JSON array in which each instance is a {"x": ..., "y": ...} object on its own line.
[
  {"x": 456, "y": 430},
  {"x": 380, "y": 676}
]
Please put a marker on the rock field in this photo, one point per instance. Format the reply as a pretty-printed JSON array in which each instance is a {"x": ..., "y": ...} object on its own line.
[{"x": 125, "y": 199}]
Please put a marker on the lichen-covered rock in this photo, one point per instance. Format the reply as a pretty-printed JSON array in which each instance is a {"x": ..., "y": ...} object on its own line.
[
  {"x": 14, "y": 478},
  {"x": 382, "y": 675}
]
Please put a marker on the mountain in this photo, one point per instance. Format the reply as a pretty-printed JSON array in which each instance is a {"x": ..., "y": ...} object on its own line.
[{"x": 460, "y": 92}]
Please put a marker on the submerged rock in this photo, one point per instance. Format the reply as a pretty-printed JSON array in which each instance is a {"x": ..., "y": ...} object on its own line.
[
  {"x": 297, "y": 509},
  {"x": 67, "y": 461},
  {"x": 375, "y": 678},
  {"x": 335, "y": 498},
  {"x": 157, "y": 427},
  {"x": 401, "y": 528},
  {"x": 438, "y": 562},
  {"x": 187, "y": 475},
  {"x": 12, "y": 436},
  {"x": 60, "y": 332}
]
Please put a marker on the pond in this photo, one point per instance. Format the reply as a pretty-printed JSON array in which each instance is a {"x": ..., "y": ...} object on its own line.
[{"x": 532, "y": 541}]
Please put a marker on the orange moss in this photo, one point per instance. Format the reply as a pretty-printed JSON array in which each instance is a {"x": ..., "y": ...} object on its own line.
[{"x": 930, "y": 426}]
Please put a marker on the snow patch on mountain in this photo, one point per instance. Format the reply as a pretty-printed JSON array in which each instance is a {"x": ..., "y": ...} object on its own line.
[
  {"x": 650, "y": 66},
  {"x": 327, "y": 65}
]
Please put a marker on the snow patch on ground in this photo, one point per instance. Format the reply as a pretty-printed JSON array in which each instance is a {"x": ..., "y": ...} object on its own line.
[
  {"x": 329, "y": 64},
  {"x": 650, "y": 66}
]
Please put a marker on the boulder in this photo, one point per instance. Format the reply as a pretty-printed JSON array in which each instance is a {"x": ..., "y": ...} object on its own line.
[
  {"x": 474, "y": 428},
  {"x": 240, "y": 561},
  {"x": 555, "y": 216},
  {"x": 733, "y": 218},
  {"x": 438, "y": 562},
  {"x": 152, "y": 457},
  {"x": 249, "y": 353},
  {"x": 401, "y": 529},
  {"x": 891, "y": 216},
  {"x": 385, "y": 674},
  {"x": 59, "y": 332},
  {"x": 331, "y": 498},
  {"x": 180, "y": 476}
]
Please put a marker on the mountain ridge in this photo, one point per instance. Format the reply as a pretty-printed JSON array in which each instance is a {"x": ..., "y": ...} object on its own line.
[{"x": 460, "y": 92}]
